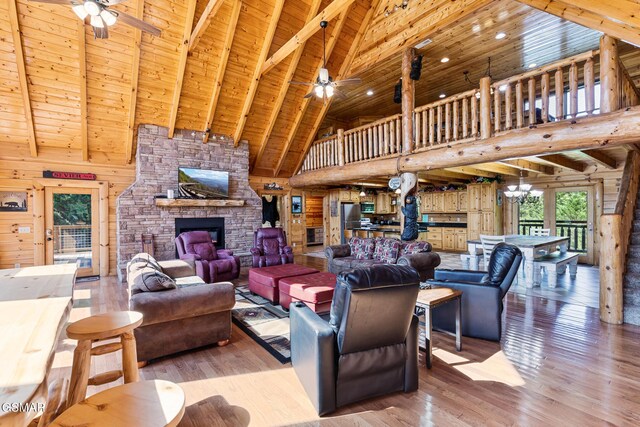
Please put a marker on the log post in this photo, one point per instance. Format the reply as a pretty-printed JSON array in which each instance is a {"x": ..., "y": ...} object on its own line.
[
  {"x": 341, "y": 147},
  {"x": 409, "y": 180},
  {"x": 611, "y": 269},
  {"x": 609, "y": 72},
  {"x": 485, "y": 107}
]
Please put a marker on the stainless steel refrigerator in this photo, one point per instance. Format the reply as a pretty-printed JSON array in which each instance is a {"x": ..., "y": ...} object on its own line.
[{"x": 349, "y": 218}]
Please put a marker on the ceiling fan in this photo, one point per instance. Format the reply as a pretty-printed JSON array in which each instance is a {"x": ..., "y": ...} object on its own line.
[
  {"x": 101, "y": 17},
  {"x": 324, "y": 86}
]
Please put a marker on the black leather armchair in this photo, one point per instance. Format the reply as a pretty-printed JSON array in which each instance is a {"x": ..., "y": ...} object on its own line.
[
  {"x": 367, "y": 346},
  {"x": 482, "y": 294}
]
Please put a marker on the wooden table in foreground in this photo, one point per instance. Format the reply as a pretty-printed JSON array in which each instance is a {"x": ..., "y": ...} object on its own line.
[
  {"x": 529, "y": 245},
  {"x": 34, "y": 306},
  {"x": 431, "y": 298}
]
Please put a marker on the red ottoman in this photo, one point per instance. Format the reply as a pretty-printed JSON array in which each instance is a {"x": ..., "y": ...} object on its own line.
[
  {"x": 264, "y": 281},
  {"x": 315, "y": 290}
]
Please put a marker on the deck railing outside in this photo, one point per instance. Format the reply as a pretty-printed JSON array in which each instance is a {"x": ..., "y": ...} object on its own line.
[
  {"x": 71, "y": 238},
  {"x": 575, "y": 230}
]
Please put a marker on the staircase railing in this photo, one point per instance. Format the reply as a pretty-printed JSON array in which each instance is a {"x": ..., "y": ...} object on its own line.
[{"x": 615, "y": 232}]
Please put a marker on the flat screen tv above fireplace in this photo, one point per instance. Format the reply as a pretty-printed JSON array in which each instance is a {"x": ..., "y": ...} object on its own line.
[{"x": 203, "y": 184}]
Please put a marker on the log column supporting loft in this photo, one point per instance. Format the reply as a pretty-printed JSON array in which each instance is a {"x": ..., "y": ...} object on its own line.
[
  {"x": 609, "y": 71},
  {"x": 409, "y": 180}
]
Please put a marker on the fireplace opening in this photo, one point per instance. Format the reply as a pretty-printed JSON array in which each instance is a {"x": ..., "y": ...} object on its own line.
[{"x": 215, "y": 227}]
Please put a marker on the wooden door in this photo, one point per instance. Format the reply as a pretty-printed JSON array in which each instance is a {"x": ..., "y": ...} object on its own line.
[
  {"x": 462, "y": 201},
  {"x": 451, "y": 201},
  {"x": 72, "y": 229},
  {"x": 473, "y": 197},
  {"x": 438, "y": 202},
  {"x": 570, "y": 212}
]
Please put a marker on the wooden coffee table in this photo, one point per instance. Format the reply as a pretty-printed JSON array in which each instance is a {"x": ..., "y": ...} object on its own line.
[{"x": 432, "y": 298}]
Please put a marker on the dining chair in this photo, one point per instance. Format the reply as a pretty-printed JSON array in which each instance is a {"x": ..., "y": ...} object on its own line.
[
  {"x": 545, "y": 232},
  {"x": 488, "y": 243}
]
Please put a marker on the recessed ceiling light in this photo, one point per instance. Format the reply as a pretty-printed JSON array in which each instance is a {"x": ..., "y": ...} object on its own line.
[
  {"x": 500, "y": 36},
  {"x": 444, "y": 60},
  {"x": 502, "y": 88},
  {"x": 442, "y": 95},
  {"x": 533, "y": 65},
  {"x": 369, "y": 92}
]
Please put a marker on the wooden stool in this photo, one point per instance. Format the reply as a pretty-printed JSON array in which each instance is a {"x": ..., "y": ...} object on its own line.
[
  {"x": 96, "y": 328},
  {"x": 145, "y": 403}
]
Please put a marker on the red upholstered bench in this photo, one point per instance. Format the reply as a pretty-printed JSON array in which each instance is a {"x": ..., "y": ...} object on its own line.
[
  {"x": 315, "y": 290},
  {"x": 264, "y": 281}
]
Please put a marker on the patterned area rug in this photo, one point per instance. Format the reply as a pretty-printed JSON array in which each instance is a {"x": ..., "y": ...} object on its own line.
[{"x": 266, "y": 324}]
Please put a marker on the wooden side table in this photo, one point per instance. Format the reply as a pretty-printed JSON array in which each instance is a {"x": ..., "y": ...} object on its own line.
[{"x": 432, "y": 298}]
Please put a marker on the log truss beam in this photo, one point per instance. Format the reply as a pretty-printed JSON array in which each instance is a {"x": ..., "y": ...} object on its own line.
[
  {"x": 22, "y": 75},
  {"x": 222, "y": 67},
  {"x": 564, "y": 162},
  {"x": 312, "y": 26},
  {"x": 601, "y": 158},
  {"x": 619, "y": 19},
  {"x": 284, "y": 89},
  {"x": 182, "y": 64},
  {"x": 530, "y": 166},
  {"x": 604, "y": 130},
  {"x": 203, "y": 23},
  {"x": 133, "y": 99},
  {"x": 471, "y": 171},
  {"x": 255, "y": 78}
]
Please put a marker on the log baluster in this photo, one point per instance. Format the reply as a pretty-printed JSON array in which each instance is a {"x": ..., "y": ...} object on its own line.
[
  {"x": 370, "y": 142},
  {"x": 559, "y": 86},
  {"x": 425, "y": 127},
  {"x": 474, "y": 115},
  {"x": 573, "y": 89},
  {"x": 399, "y": 134},
  {"x": 545, "y": 82},
  {"x": 508, "y": 114},
  {"x": 519, "y": 105},
  {"x": 386, "y": 138},
  {"x": 497, "y": 113},
  {"x": 439, "y": 125},
  {"x": 432, "y": 126},
  {"x": 447, "y": 122},
  {"x": 589, "y": 86},
  {"x": 532, "y": 101},
  {"x": 417, "y": 127},
  {"x": 456, "y": 120},
  {"x": 465, "y": 117},
  {"x": 341, "y": 147},
  {"x": 381, "y": 139},
  {"x": 485, "y": 107}
]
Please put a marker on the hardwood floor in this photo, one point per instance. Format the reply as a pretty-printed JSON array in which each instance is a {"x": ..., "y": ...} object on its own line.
[{"x": 557, "y": 364}]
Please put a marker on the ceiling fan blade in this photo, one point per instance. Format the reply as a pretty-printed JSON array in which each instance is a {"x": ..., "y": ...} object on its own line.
[
  {"x": 52, "y": 1},
  {"x": 301, "y": 83},
  {"x": 100, "y": 33},
  {"x": 112, "y": 2},
  {"x": 138, "y": 23},
  {"x": 310, "y": 94},
  {"x": 354, "y": 81}
]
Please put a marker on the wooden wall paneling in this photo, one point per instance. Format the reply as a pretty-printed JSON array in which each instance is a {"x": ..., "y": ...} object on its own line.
[
  {"x": 297, "y": 121},
  {"x": 133, "y": 93},
  {"x": 312, "y": 26},
  {"x": 255, "y": 78},
  {"x": 205, "y": 19},
  {"x": 284, "y": 87},
  {"x": 82, "y": 61},
  {"x": 22, "y": 74},
  {"x": 346, "y": 64},
  {"x": 182, "y": 63}
]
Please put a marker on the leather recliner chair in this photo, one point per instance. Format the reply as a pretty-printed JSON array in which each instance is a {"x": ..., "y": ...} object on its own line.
[
  {"x": 482, "y": 294},
  {"x": 211, "y": 265},
  {"x": 368, "y": 345},
  {"x": 270, "y": 248}
]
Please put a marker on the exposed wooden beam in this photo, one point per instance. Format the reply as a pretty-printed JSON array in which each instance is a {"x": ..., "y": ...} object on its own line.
[
  {"x": 133, "y": 98},
  {"x": 284, "y": 88},
  {"x": 255, "y": 78},
  {"x": 344, "y": 68},
  {"x": 182, "y": 64},
  {"x": 527, "y": 165},
  {"x": 222, "y": 67},
  {"x": 609, "y": 129},
  {"x": 472, "y": 171},
  {"x": 203, "y": 23},
  {"x": 311, "y": 27},
  {"x": 22, "y": 76},
  {"x": 596, "y": 15},
  {"x": 297, "y": 121},
  {"x": 82, "y": 67},
  {"x": 393, "y": 39},
  {"x": 499, "y": 169},
  {"x": 564, "y": 162},
  {"x": 601, "y": 158},
  {"x": 446, "y": 175}
]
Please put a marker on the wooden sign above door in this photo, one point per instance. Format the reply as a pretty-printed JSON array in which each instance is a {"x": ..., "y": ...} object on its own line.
[{"x": 69, "y": 175}]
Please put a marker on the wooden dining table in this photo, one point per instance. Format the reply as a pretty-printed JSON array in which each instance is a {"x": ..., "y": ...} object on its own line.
[
  {"x": 530, "y": 247},
  {"x": 35, "y": 303}
]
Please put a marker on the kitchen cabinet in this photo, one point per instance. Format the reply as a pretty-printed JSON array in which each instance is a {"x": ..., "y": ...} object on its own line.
[
  {"x": 484, "y": 215},
  {"x": 444, "y": 202},
  {"x": 426, "y": 203},
  {"x": 451, "y": 201},
  {"x": 367, "y": 199},
  {"x": 461, "y": 240},
  {"x": 349, "y": 196},
  {"x": 438, "y": 202},
  {"x": 448, "y": 241},
  {"x": 462, "y": 201},
  {"x": 434, "y": 236},
  {"x": 383, "y": 204},
  {"x": 454, "y": 239}
]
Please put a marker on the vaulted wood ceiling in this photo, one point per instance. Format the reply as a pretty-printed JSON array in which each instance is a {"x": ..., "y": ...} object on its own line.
[{"x": 67, "y": 96}]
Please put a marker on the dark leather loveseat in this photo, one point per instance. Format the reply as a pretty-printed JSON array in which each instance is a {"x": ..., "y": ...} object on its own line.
[
  {"x": 482, "y": 294},
  {"x": 360, "y": 252},
  {"x": 367, "y": 346}
]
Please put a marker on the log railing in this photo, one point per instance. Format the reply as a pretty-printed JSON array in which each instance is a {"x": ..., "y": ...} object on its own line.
[
  {"x": 615, "y": 232},
  {"x": 323, "y": 154},
  {"x": 451, "y": 119},
  {"x": 378, "y": 139},
  {"x": 545, "y": 83}
]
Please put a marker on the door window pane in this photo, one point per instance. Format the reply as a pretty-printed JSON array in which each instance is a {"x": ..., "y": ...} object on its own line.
[
  {"x": 72, "y": 229},
  {"x": 571, "y": 218}
]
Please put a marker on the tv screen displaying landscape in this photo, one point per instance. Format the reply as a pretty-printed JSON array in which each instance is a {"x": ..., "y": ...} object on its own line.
[{"x": 203, "y": 184}]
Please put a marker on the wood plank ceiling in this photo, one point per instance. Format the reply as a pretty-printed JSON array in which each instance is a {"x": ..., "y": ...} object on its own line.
[{"x": 225, "y": 64}]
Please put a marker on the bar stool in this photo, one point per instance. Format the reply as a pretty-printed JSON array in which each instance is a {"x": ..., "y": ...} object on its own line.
[
  {"x": 119, "y": 324},
  {"x": 146, "y": 403}
]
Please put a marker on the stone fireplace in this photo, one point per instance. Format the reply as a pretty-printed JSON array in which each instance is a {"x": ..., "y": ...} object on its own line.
[{"x": 157, "y": 162}]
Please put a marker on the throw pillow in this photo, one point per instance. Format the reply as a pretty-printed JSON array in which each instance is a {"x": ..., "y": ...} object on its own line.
[
  {"x": 148, "y": 279},
  {"x": 362, "y": 248},
  {"x": 390, "y": 251},
  {"x": 377, "y": 252},
  {"x": 144, "y": 257},
  {"x": 414, "y": 248}
]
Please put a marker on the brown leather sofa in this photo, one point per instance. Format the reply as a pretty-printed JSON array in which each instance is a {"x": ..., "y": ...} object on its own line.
[
  {"x": 368, "y": 345},
  {"x": 359, "y": 253},
  {"x": 192, "y": 315}
]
